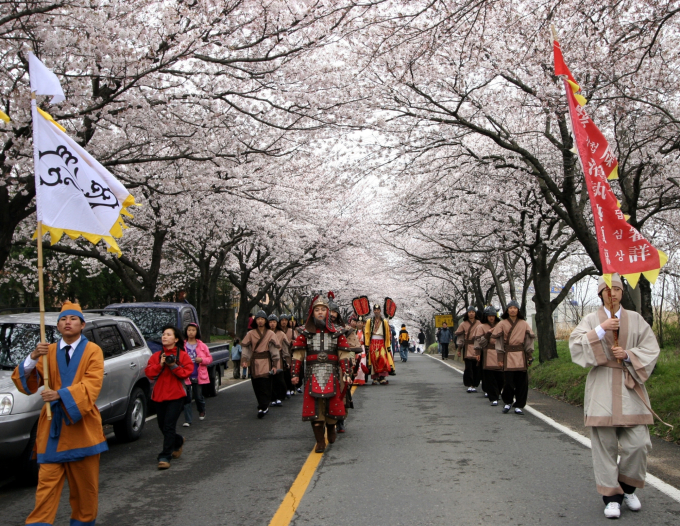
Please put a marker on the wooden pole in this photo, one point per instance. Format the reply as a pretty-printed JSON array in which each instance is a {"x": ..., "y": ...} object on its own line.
[
  {"x": 41, "y": 300},
  {"x": 613, "y": 316}
]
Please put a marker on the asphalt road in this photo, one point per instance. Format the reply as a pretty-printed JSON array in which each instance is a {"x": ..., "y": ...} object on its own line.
[{"x": 419, "y": 451}]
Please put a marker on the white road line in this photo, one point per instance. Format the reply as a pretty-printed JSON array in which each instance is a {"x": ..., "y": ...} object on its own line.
[
  {"x": 233, "y": 385},
  {"x": 653, "y": 481}
]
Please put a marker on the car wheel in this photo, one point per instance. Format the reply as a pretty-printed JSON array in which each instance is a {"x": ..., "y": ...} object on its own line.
[
  {"x": 130, "y": 427},
  {"x": 27, "y": 473},
  {"x": 213, "y": 388}
]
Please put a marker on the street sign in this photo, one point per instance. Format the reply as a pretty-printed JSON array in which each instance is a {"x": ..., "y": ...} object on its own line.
[{"x": 439, "y": 319}]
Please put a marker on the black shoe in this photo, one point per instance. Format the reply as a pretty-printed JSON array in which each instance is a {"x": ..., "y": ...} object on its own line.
[
  {"x": 261, "y": 413},
  {"x": 518, "y": 411},
  {"x": 506, "y": 409}
]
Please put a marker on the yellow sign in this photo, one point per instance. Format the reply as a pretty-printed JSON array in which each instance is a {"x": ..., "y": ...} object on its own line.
[{"x": 439, "y": 319}]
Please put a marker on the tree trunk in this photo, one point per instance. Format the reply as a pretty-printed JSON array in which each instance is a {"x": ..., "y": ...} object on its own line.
[
  {"x": 646, "y": 308},
  {"x": 547, "y": 346}
]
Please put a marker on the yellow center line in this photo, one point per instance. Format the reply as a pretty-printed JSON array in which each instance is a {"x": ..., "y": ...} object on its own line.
[{"x": 292, "y": 500}]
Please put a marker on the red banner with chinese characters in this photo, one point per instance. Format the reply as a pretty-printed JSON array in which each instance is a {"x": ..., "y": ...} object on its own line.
[{"x": 622, "y": 248}]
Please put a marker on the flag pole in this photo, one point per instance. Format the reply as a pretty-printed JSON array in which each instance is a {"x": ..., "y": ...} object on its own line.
[{"x": 41, "y": 290}]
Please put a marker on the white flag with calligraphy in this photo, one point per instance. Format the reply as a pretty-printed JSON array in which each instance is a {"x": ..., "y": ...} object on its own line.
[{"x": 75, "y": 194}]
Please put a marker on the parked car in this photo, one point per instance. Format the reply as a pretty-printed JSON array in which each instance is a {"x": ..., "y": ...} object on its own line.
[
  {"x": 152, "y": 316},
  {"x": 121, "y": 402}
]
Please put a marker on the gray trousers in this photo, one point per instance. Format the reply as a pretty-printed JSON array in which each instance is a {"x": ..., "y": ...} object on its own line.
[{"x": 631, "y": 469}]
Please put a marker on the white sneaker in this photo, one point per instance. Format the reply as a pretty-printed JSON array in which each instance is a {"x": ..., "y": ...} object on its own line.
[
  {"x": 612, "y": 510},
  {"x": 494, "y": 403},
  {"x": 186, "y": 424},
  {"x": 486, "y": 395},
  {"x": 469, "y": 389},
  {"x": 473, "y": 390},
  {"x": 632, "y": 501}
]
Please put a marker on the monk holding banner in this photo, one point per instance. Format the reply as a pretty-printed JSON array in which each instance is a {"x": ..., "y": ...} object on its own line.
[
  {"x": 69, "y": 445},
  {"x": 616, "y": 404}
]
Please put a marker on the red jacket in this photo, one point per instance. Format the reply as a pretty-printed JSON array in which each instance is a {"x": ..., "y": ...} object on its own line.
[{"x": 169, "y": 382}]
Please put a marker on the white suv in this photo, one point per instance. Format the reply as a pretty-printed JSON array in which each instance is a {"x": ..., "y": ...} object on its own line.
[{"x": 122, "y": 400}]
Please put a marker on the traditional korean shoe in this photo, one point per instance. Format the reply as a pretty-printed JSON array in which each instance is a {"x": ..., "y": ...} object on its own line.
[
  {"x": 494, "y": 403},
  {"x": 469, "y": 389},
  {"x": 518, "y": 411},
  {"x": 186, "y": 424},
  {"x": 299, "y": 390},
  {"x": 178, "y": 452},
  {"x": 506, "y": 409},
  {"x": 473, "y": 390},
  {"x": 261, "y": 413},
  {"x": 612, "y": 510},
  {"x": 320, "y": 437},
  {"x": 486, "y": 395},
  {"x": 201, "y": 416},
  {"x": 632, "y": 502},
  {"x": 330, "y": 431},
  {"x": 163, "y": 464}
]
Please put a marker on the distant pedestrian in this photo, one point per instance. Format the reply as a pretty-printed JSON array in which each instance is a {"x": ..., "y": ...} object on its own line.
[
  {"x": 444, "y": 340},
  {"x": 404, "y": 341},
  {"x": 236, "y": 359},
  {"x": 168, "y": 368},
  {"x": 200, "y": 355},
  {"x": 421, "y": 341},
  {"x": 278, "y": 380}
]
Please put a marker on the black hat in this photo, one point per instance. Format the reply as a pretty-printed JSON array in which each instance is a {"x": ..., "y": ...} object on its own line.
[
  {"x": 513, "y": 303},
  {"x": 403, "y": 325},
  {"x": 470, "y": 308},
  {"x": 272, "y": 317},
  {"x": 490, "y": 311},
  {"x": 261, "y": 314}
]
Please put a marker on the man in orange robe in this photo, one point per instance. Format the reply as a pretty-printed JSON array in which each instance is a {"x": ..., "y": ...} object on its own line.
[{"x": 68, "y": 446}]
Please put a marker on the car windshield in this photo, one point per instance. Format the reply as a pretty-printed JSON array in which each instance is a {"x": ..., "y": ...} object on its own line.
[
  {"x": 17, "y": 340},
  {"x": 149, "y": 320}
]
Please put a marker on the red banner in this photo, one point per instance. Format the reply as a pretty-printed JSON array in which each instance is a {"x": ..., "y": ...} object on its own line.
[{"x": 622, "y": 248}]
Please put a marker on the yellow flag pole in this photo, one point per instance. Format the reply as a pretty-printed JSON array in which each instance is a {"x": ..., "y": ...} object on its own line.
[{"x": 41, "y": 290}]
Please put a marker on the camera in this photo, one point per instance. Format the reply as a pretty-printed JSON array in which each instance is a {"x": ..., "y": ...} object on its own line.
[{"x": 170, "y": 359}]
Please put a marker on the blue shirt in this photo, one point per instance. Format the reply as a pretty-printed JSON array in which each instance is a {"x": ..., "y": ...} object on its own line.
[{"x": 236, "y": 352}]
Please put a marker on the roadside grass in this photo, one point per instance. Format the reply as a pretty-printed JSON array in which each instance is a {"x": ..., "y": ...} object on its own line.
[{"x": 562, "y": 379}]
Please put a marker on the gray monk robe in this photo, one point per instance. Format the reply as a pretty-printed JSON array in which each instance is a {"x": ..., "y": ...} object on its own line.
[{"x": 616, "y": 403}]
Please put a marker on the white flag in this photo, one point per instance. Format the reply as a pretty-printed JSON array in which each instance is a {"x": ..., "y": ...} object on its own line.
[
  {"x": 43, "y": 81},
  {"x": 75, "y": 195}
]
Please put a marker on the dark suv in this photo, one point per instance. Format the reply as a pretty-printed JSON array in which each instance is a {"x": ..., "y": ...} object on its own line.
[{"x": 121, "y": 402}]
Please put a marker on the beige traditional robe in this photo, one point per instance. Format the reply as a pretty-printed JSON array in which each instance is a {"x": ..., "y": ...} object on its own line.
[
  {"x": 261, "y": 352},
  {"x": 485, "y": 345},
  {"x": 285, "y": 343},
  {"x": 615, "y": 393},
  {"x": 465, "y": 339},
  {"x": 514, "y": 347}
]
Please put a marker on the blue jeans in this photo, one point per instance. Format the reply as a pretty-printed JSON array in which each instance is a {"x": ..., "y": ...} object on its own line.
[
  {"x": 403, "y": 352},
  {"x": 197, "y": 390}
]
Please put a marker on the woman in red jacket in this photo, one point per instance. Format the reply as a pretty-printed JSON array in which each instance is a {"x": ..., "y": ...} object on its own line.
[{"x": 168, "y": 368}]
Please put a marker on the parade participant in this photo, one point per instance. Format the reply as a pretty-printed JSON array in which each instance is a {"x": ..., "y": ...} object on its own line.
[
  {"x": 421, "y": 341},
  {"x": 296, "y": 331},
  {"x": 354, "y": 350},
  {"x": 68, "y": 446},
  {"x": 278, "y": 381},
  {"x": 200, "y": 355},
  {"x": 336, "y": 318},
  {"x": 168, "y": 368},
  {"x": 261, "y": 353},
  {"x": 515, "y": 349},
  {"x": 360, "y": 365},
  {"x": 466, "y": 347},
  {"x": 485, "y": 344},
  {"x": 622, "y": 350},
  {"x": 325, "y": 353},
  {"x": 404, "y": 342},
  {"x": 377, "y": 340},
  {"x": 285, "y": 352},
  {"x": 444, "y": 338}
]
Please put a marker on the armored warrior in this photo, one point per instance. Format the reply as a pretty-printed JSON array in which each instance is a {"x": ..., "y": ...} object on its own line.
[
  {"x": 326, "y": 356},
  {"x": 377, "y": 338}
]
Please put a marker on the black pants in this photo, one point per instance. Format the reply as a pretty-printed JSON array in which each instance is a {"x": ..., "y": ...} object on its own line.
[
  {"x": 471, "y": 376},
  {"x": 492, "y": 382},
  {"x": 278, "y": 387},
  {"x": 237, "y": 368},
  {"x": 167, "y": 414},
  {"x": 263, "y": 392},
  {"x": 516, "y": 388},
  {"x": 287, "y": 378},
  {"x": 445, "y": 350}
]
